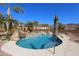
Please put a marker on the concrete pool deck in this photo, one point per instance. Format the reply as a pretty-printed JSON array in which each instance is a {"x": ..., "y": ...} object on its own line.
[{"x": 67, "y": 48}]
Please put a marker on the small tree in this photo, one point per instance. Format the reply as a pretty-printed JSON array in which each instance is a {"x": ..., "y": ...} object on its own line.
[
  {"x": 61, "y": 27},
  {"x": 30, "y": 26},
  {"x": 2, "y": 21}
]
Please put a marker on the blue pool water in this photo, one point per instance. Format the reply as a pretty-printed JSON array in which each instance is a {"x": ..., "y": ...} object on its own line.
[{"x": 39, "y": 42}]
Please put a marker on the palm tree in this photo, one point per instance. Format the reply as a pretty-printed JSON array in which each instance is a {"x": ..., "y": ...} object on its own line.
[
  {"x": 9, "y": 19},
  {"x": 18, "y": 9},
  {"x": 55, "y": 32}
]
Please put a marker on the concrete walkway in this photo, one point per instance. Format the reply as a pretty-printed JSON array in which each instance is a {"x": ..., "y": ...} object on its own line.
[
  {"x": 66, "y": 48},
  {"x": 2, "y": 53}
]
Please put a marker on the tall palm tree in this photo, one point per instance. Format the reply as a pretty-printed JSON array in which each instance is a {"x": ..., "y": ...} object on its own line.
[
  {"x": 55, "y": 32},
  {"x": 9, "y": 19}
]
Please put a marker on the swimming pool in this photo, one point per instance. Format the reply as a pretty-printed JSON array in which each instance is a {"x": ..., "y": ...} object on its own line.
[{"x": 39, "y": 42}]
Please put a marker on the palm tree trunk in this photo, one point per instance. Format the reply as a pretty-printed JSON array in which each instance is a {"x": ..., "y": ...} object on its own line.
[
  {"x": 8, "y": 17},
  {"x": 55, "y": 32}
]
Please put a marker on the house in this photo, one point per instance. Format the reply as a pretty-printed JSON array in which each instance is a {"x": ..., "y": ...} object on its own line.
[
  {"x": 41, "y": 28},
  {"x": 38, "y": 28}
]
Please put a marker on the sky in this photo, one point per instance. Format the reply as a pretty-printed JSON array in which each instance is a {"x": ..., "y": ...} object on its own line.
[{"x": 44, "y": 12}]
